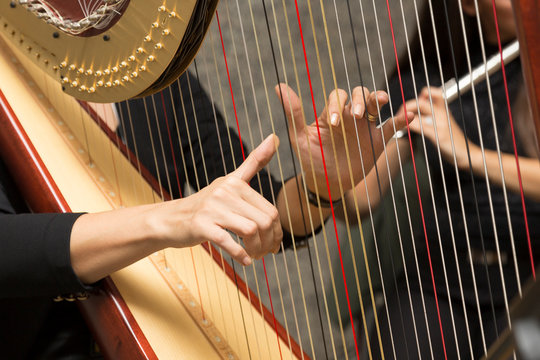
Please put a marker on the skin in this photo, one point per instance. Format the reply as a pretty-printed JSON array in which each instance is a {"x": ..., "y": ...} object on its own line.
[
  {"x": 530, "y": 167},
  {"x": 102, "y": 243}
]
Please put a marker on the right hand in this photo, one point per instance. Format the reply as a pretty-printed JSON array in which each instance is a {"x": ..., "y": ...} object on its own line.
[{"x": 229, "y": 204}]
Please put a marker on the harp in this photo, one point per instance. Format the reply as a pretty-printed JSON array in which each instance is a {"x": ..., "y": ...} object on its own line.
[{"x": 192, "y": 302}]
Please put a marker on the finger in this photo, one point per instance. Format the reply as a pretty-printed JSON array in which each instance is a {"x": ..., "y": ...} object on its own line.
[
  {"x": 292, "y": 105},
  {"x": 359, "y": 98},
  {"x": 400, "y": 121},
  {"x": 225, "y": 241},
  {"x": 278, "y": 236},
  {"x": 375, "y": 101},
  {"x": 336, "y": 105},
  {"x": 264, "y": 226},
  {"x": 257, "y": 159}
]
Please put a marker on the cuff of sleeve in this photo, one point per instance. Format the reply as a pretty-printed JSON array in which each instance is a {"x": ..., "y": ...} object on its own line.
[
  {"x": 57, "y": 239},
  {"x": 300, "y": 241}
]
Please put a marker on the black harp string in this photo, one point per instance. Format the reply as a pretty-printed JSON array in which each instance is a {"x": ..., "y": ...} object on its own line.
[
  {"x": 444, "y": 180},
  {"x": 291, "y": 151},
  {"x": 471, "y": 174},
  {"x": 390, "y": 184},
  {"x": 323, "y": 88},
  {"x": 430, "y": 181},
  {"x": 498, "y": 149},
  {"x": 246, "y": 52},
  {"x": 380, "y": 191},
  {"x": 443, "y": 183},
  {"x": 250, "y": 133},
  {"x": 277, "y": 277},
  {"x": 255, "y": 277},
  {"x": 323, "y": 231},
  {"x": 458, "y": 182}
]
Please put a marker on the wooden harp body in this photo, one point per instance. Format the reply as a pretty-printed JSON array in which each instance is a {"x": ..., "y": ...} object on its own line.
[{"x": 151, "y": 309}]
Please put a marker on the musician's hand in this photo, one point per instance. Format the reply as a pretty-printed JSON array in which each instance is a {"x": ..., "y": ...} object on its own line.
[
  {"x": 438, "y": 121},
  {"x": 339, "y": 117},
  {"x": 230, "y": 204}
]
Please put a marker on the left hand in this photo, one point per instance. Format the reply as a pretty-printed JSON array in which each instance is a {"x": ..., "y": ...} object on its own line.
[
  {"x": 438, "y": 119},
  {"x": 337, "y": 123}
]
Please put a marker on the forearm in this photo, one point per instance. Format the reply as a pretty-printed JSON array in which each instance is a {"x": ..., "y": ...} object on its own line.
[
  {"x": 103, "y": 243},
  {"x": 357, "y": 201},
  {"x": 298, "y": 216},
  {"x": 529, "y": 170}
]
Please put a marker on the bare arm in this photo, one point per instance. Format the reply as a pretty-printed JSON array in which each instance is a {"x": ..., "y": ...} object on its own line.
[
  {"x": 529, "y": 169},
  {"x": 106, "y": 242}
]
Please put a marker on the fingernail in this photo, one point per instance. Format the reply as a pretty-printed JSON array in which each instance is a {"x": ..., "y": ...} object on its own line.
[
  {"x": 358, "y": 110},
  {"x": 246, "y": 261},
  {"x": 334, "y": 119}
]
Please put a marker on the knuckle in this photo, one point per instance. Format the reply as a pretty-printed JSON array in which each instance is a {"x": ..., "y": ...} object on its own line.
[
  {"x": 250, "y": 229},
  {"x": 274, "y": 214}
]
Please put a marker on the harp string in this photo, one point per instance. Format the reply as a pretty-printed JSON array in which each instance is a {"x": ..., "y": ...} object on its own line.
[
  {"x": 480, "y": 227},
  {"x": 235, "y": 53},
  {"x": 443, "y": 178},
  {"x": 322, "y": 151},
  {"x": 294, "y": 248},
  {"x": 391, "y": 186},
  {"x": 417, "y": 183},
  {"x": 316, "y": 248},
  {"x": 359, "y": 290},
  {"x": 385, "y": 151},
  {"x": 210, "y": 247},
  {"x": 227, "y": 127},
  {"x": 244, "y": 157},
  {"x": 390, "y": 178},
  {"x": 284, "y": 117},
  {"x": 444, "y": 187},
  {"x": 429, "y": 177},
  {"x": 498, "y": 150},
  {"x": 514, "y": 140}
]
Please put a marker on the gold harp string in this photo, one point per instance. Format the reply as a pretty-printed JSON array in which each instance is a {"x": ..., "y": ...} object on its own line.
[
  {"x": 376, "y": 172},
  {"x": 404, "y": 190},
  {"x": 197, "y": 182},
  {"x": 304, "y": 182},
  {"x": 467, "y": 144},
  {"x": 211, "y": 248},
  {"x": 444, "y": 186},
  {"x": 227, "y": 126},
  {"x": 278, "y": 158},
  {"x": 304, "y": 185},
  {"x": 240, "y": 81},
  {"x": 295, "y": 253},
  {"x": 318, "y": 207},
  {"x": 246, "y": 52},
  {"x": 335, "y": 158}
]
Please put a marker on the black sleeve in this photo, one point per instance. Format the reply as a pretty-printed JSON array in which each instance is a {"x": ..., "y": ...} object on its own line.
[
  {"x": 34, "y": 254},
  {"x": 35, "y": 258},
  {"x": 181, "y": 137}
]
